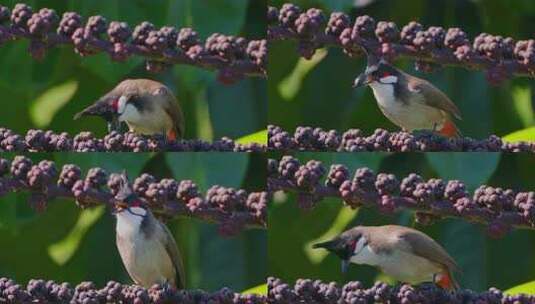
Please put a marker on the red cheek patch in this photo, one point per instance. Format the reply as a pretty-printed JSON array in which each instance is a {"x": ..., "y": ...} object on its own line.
[
  {"x": 136, "y": 203},
  {"x": 115, "y": 104},
  {"x": 352, "y": 245}
]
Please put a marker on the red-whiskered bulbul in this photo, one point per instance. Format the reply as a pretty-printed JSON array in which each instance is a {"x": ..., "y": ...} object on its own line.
[
  {"x": 146, "y": 106},
  {"x": 408, "y": 101},
  {"x": 147, "y": 247},
  {"x": 403, "y": 253}
]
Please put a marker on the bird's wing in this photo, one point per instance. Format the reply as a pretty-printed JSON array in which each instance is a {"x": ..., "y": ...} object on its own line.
[
  {"x": 424, "y": 246},
  {"x": 434, "y": 97},
  {"x": 122, "y": 244},
  {"x": 178, "y": 118},
  {"x": 174, "y": 110},
  {"x": 176, "y": 258}
]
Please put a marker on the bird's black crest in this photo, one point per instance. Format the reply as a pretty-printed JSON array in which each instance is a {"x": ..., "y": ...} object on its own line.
[{"x": 125, "y": 189}]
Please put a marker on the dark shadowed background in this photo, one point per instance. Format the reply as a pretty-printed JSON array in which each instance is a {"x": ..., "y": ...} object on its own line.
[
  {"x": 503, "y": 263},
  {"x": 65, "y": 243},
  {"x": 47, "y": 94},
  {"x": 318, "y": 93}
]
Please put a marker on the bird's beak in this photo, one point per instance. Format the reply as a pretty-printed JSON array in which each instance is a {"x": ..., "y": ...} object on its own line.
[
  {"x": 345, "y": 266},
  {"x": 329, "y": 245},
  {"x": 102, "y": 108},
  {"x": 362, "y": 80}
]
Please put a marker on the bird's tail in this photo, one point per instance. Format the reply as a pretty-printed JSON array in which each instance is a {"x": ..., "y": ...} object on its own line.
[
  {"x": 446, "y": 280},
  {"x": 449, "y": 129},
  {"x": 172, "y": 135}
]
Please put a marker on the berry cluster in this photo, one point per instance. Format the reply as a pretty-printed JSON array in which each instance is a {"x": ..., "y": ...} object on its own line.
[
  {"x": 41, "y": 291},
  {"x": 354, "y": 140},
  {"x": 233, "y": 57},
  {"x": 48, "y": 141},
  {"x": 500, "y": 209},
  {"x": 316, "y": 291},
  {"x": 232, "y": 209},
  {"x": 501, "y": 57}
]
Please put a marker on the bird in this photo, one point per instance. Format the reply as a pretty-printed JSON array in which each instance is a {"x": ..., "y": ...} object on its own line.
[
  {"x": 146, "y": 246},
  {"x": 410, "y": 102},
  {"x": 148, "y": 107},
  {"x": 403, "y": 253}
]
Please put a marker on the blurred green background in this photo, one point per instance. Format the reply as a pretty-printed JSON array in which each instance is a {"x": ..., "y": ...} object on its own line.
[
  {"x": 65, "y": 243},
  {"x": 47, "y": 94},
  {"x": 318, "y": 92},
  {"x": 485, "y": 262}
]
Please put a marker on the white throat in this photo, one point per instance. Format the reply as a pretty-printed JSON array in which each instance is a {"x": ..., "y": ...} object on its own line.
[
  {"x": 389, "y": 79},
  {"x": 384, "y": 93},
  {"x": 130, "y": 114},
  {"x": 121, "y": 104},
  {"x": 364, "y": 254},
  {"x": 129, "y": 221}
]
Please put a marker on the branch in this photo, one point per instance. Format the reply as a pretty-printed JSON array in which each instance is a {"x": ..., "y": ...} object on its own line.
[
  {"x": 354, "y": 140},
  {"x": 232, "y": 209},
  {"x": 48, "y": 141},
  {"x": 40, "y": 291},
  {"x": 500, "y": 209},
  {"x": 500, "y": 57},
  {"x": 316, "y": 291},
  {"x": 233, "y": 57}
]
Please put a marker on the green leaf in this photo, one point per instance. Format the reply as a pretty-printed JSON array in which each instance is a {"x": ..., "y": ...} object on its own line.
[
  {"x": 521, "y": 135},
  {"x": 472, "y": 168},
  {"x": 527, "y": 288},
  {"x": 259, "y": 137},
  {"x": 225, "y": 17},
  {"x": 338, "y": 5},
  {"x": 344, "y": 217},
  {"x": 260, "y": 289},
  {"x": 290, "y": 86},
  {"x": 112, "y": 163},
  {"x": 237, "y": 110},
  {"x": 522, "y": 104},
  {"x": 45, "y": 106},
  {"x": 112, "y": 72},
  {"x": 208, "y": 169},
  {"x": 61, "y": 252}
]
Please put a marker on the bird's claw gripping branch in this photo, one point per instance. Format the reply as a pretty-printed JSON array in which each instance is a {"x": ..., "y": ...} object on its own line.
[
  {"x": 354, "y": 140},
  {"x": 500, "y": 209},
  {"x": 316, "y": 291},
  {"x": 48, "y": 141},
  {"x": 41, "y": 291}
]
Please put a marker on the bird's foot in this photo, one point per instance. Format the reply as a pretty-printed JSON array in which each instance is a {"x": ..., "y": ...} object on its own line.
[
  {"x": 424, "y": 133},
  {"x": 168, "y": 288},
  {"x": 114, "y": 125},
  {"x": 428, "y": 285},
  {"x": 165, "y": 139}
]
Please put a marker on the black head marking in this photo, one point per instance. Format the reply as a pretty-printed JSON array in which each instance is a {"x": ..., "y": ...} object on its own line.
[
  {"x": 343, "y": 245},
  {"x": 125, "y": 190},
  {"x": 382, "y": 69}
]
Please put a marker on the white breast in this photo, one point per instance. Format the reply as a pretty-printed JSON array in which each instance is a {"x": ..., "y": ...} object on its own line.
[
  {"x": 145, "y": 259},
  {"x": 413, "y": 116},
  {"x": 400, "y": 265},
  {"x": 149, "y": 122}
]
